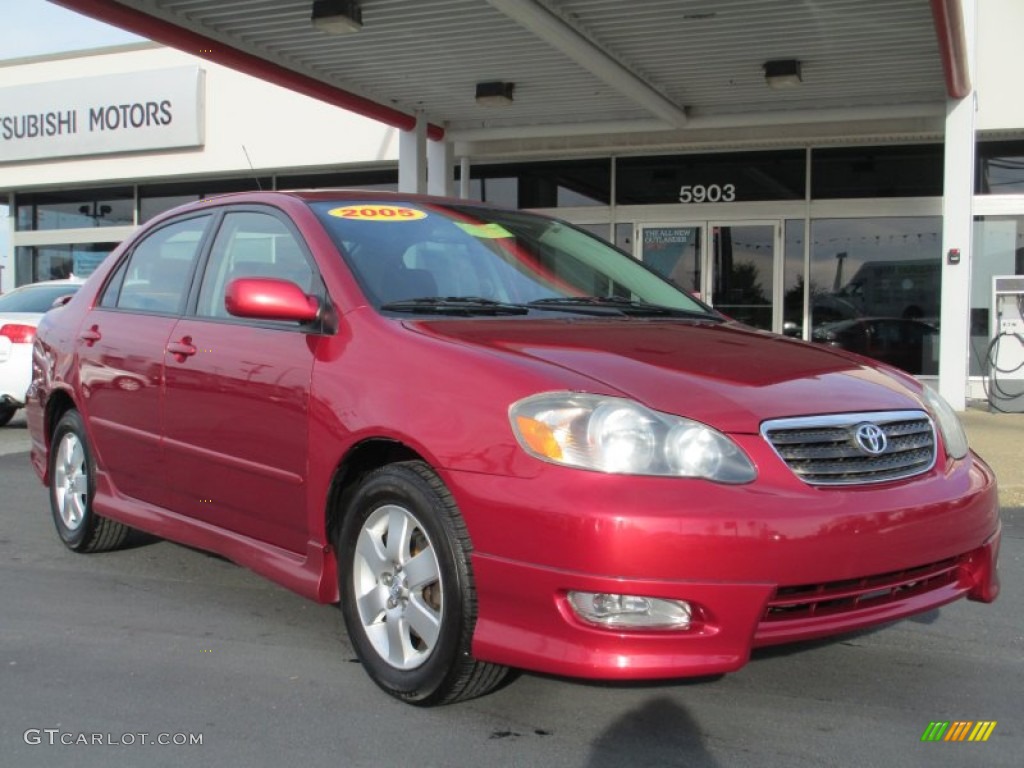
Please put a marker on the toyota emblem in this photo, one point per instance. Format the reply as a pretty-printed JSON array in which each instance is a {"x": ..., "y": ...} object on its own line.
[{"x": 871, "y": 439}]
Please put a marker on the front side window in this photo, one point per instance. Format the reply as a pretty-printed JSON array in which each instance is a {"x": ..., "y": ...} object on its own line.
[
  {"x": 411, "y": 252},
  {"x": 251, "y": 244},
  {"x": 157, "y": 275}
]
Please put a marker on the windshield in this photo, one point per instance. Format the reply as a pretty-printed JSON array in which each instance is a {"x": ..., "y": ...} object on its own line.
[
  {"x": 34, "y": 298},
  {"x": 403, "y": 254}
]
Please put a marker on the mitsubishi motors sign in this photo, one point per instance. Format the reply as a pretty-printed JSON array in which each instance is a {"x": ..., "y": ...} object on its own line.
[{"x": 134, "y": 112}]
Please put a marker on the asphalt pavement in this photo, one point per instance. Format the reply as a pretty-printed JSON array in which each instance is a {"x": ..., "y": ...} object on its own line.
[{"x": 117, "y": 652}]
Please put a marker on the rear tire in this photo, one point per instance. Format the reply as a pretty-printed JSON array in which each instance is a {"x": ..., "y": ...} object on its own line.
[
  {"x": 406, "y": 586},
  {"x": 72, "y": 485},
  {"x": 6, "y": 414}
]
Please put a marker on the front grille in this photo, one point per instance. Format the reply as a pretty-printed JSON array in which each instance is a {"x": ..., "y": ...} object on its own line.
[
  {"x": 824, "y": 450},
  {"x": 837, "y": 597}
]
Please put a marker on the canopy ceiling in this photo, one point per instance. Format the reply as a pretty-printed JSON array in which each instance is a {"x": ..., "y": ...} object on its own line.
[{"x": 592, "y": 72}]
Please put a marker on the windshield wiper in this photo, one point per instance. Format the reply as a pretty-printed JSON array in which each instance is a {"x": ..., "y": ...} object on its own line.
[
  {"x": 618, "y": 304},
  {"x": 455, "y": 305}
]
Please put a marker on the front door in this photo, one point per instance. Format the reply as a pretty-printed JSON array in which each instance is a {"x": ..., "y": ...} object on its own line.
[
  {"x": 731, "y": 265},
  {"x": 237, "y": 392}
]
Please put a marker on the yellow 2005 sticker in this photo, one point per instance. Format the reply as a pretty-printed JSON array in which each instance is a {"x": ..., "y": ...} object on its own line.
[{"x": 377, "y": 213}]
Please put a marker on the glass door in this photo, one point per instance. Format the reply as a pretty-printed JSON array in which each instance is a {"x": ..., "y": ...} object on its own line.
[
  {"x": 676, "y": 253},
  {"x": 734, "y": 266},
  {"x": 743, "y": 272}
]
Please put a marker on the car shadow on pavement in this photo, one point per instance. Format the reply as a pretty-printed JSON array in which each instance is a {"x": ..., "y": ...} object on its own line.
[
  {"x": 632, "y": 685},
  {"x": 658, "y": 732},
  {"x": 137, "y": 539}
]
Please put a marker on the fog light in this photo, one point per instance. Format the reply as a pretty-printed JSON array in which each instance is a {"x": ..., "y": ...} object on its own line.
[{"x": 630, "y": 611}]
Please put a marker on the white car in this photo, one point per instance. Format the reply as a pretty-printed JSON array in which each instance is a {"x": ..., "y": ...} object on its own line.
[{"x": 20, "y": 313}]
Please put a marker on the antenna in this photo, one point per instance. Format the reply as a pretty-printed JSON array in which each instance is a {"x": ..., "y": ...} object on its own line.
[{"x": 253, "y": 168}]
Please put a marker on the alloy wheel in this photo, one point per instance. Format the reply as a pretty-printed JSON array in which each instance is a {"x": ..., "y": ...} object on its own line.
[{"x": 398, "y": 587}]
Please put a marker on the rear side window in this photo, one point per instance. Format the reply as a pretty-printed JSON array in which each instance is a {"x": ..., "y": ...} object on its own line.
[
  {"x": 251, "y": 244},
  {"x": 156, "y": 276}
]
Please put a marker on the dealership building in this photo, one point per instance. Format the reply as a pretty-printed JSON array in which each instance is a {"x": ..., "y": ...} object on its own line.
[{"x": 850, "y": 172}]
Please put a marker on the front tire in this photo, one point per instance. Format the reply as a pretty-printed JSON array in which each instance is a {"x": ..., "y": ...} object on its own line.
[
  {"x": 6, "y": 414},
  {"x": 407, "y": 592},
  {"x": 72, "y": 485}
]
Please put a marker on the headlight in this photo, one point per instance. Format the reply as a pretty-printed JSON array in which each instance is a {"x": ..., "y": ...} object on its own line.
[
  {"x": 952, "y": 430},
  {"x": 611, "y": 434}
]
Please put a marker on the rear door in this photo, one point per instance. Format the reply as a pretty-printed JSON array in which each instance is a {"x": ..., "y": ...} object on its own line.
[
  {"x": 121, "y": 349},
  {"x": 237, "y": 390}
]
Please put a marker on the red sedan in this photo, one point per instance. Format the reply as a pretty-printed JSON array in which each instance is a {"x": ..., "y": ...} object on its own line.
[{"x": 497, "y": 442}]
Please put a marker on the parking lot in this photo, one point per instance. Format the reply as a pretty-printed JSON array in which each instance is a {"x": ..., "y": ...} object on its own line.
[{"x": 175, "y": 644}]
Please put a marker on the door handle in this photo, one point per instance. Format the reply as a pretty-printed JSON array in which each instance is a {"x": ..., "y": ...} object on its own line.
[
  {"x": 182, "y": 349},
  {"x": 91, "y": 336}
]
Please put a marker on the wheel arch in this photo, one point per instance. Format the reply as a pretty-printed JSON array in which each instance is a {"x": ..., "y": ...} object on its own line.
[
  {"x": 57, "y": 404},
  {"x": 364, "y": 457}
]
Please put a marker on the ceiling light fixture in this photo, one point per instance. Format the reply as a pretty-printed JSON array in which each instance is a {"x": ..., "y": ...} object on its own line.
[
  {"x": 494, "y": 94},
  {"x": 337, "y": 17},
  {"x": 782, "y": 73}
]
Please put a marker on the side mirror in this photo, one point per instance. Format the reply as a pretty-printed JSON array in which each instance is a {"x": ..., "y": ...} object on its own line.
[
  {"x": 265, "y": 298},
  {"x": 60, "y": 301}
]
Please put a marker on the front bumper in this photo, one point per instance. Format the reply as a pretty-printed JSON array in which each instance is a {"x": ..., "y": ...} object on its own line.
[{"x": 762, "y": 564}]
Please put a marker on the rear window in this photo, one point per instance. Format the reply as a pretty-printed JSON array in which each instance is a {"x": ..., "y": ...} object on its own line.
[{"x": 35, "y": 298}]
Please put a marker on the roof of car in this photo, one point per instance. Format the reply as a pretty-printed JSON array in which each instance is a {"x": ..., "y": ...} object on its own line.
[{"x": 326, "y": 195}]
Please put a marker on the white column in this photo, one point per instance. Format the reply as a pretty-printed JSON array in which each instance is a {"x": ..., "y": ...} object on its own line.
[
  {"x": 412, "y": 158},
  {"x": 464, "y": 177},
  {"x": 957, "y": 235},
  {"x": 440, "y": 172},
  {"x": 8, "y": 260}
]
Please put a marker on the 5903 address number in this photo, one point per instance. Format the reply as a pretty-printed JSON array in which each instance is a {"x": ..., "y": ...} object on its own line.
[{"x": 707, "y": 193}]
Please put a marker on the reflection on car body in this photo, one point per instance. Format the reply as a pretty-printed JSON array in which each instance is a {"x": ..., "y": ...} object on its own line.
[{"x": 496, "y": 441}]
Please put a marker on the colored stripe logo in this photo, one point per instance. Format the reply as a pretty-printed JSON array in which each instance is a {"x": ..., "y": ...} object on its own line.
[{"x": 959, "y": 730}]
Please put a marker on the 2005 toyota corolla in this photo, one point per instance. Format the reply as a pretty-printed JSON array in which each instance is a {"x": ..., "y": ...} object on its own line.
[{"x": 497, "y": 442}]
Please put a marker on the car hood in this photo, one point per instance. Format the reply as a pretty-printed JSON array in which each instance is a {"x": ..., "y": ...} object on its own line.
[{"x": 722, "y": 374}]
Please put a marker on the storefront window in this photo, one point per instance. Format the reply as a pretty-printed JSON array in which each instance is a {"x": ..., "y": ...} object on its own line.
[
  {"x": 384, "y": 179},
  {"x": 624, "y": 237},
  {"x": 154, "y": 199},
  {"x": 732, "y": 177},
  {"x": 55, "y": 262},
  {"x": 858, "y": 172},
  {"x": 6, "y": 273},
  {"x": 496, "y": 190},
  {"x": 566, "y": 184},
  {"x": 1000, "y": 168},
  {"x": 76, "y": 209},
  {"x": 875, "y": 287},
  {"x": 998, "y": 250},
  {"x": 23, "y": 264},
  {"x": 604, "y": 231},
  {"x": 793, "y": 276}
]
